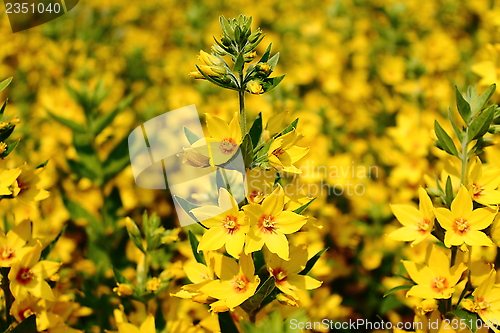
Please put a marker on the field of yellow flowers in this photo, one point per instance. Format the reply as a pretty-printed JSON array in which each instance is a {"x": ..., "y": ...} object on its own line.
[{"x": 367, "y": 133}]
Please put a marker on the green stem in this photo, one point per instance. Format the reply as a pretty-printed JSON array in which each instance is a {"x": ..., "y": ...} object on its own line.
[
  {"x": 464, "y": 158},
  {"x": 243, "y": 113},
  {"x": 7, "y": 294}
]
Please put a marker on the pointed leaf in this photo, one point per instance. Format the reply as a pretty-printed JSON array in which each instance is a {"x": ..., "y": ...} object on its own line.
[
  {"x": 116, "y": 161},
  {"x": 481, "y": 124},
  {"x": 265, "y": 56},
  {"x": 463, "y": 106},
  {"x": 104, "y": 120},
  {"x": 239, "y": 63},
  {"x": 194, "y": 248},
  {"x": 449, "y": 192},
  {"x": 226, "y": 323},
  {"x": 304, "y": 207},
  {"x": 188, "y": 207},
  {"x": 5, "y": 83},
  {"x": 468, "y": 317},
  {"x": 311, "y": 262},
  {"x": 444, "y": 140},
  {"x": 289, "y": 128},
  {"x": 393, "y": 290},
  {"x": 254, "y": 302},
  {"x": 190, "y": 136},
  {"x": 256, "y": 130},
  {"x": 68, "y": 123},
  {"x": 28, "y": 325}
]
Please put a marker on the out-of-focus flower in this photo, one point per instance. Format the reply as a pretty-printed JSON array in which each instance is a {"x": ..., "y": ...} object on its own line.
[{"x": 283, "y": 152}]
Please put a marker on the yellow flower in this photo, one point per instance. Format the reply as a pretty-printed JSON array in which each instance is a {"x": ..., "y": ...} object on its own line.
[
  {"x": 286, "y": 273},
  {"x": 26, "y": 188},
  {"x": 269, "y": 224},
  {"x": 148, "y": 326},
  {"x": 28, "y": 275},
  {"x": 237, "y": 283},
  {"x": 213, "y": 66},
  {"x": 227, "y": 225},
  {"x": 123, "y": 289},
  {"x": 255, "y": 87},
  {"x": 417, "y": 224},
  {"x": 486, "y": 301},
  {"x": 283, "y": 153},
  {"x": 12, "y": 245},
  {"x": 153, "y": 284},
  {"x": 7, "y": 179},
  {"x": 484, "y": 184},
  {"x": 462, "y": 224},
  {"x": 435, "y": 280}
]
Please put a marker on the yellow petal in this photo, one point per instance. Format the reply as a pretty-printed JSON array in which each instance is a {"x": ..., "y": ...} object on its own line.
[
  {"x": 425, "y": 204},
  {"x": 234, "y": 243},
  {"x": 304, "y": 282},
  {"x": 217, "y": 128},
  {"x": 406, "y": 215},
  {"x": 289, "y": 222},
  {"x": 274, "y": 203},
  {"x": 127, "y": 328},
  {"x": 45, "y": 268},
  {"x": 41, "y": 289},
  {"x": 481, "y": 218},
  {"x": 462, "y": 204},
  {"x": 475, "y": 237},
  {"x": 148, "y": 326},
  {"x": 213, "y": 239},
  {"x": 277, "y": 243},
  {"x": 445, "y": 218}
]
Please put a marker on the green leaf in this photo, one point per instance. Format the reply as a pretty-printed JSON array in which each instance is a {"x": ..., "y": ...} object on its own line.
[
  {"x": 226, "y": 323},
  {"x": 458, "y": 132},
  {"x": 2, "y": 109},
  {"x": 274, "y": 61},
  {"x": 5, "y": 83},
  {"x": 289, "y": 128},
  {"x": 190, "y": 136},
  {"x": 122, "y": 279},
  {"x": 444, "y": 140},
  {"x": 104, "y": 120},
  {"x": 239, "y": 63},
  {"x": 449, "y": 192},
  {"x": 254, "y": 302},
  {"x": 311, "y": 262},
  {"x": 304, "y": 207},
  {"x": 479, "y": 102},
  {"x": 77, "y": 212},
  {"x": 469, "y": 318},
  {"x": 256, "y": 130},
  {"x": 117, "y": 161},
  {"x": 226, "y": 28},
  {"x": 68, "y": 123},
  {"x": 194, "y": 248},
  {"x": 6, "y": 132},
  {"x": 247, "y": 150},
  {"x": 271, "y": 82},
  {"x": 393, "y": 290},
  {"x": 87, "y": 154},
  {"x": 81, "y": 169},
  {"x": 217, "y": 83},
  {"x": 265, "y": 56},
  {"x": 463, "y": 106},
  {"x": 10, "y": 147},
  {"x": 188, "y": 207},
  {"x": 28, "y": 325},
  {"x": 481, "y": 124}
]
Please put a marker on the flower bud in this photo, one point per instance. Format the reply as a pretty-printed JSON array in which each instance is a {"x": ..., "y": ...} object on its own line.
[
  {"x": 196, "y": 75},
  {"x": 249, "y": 56},
  {"x": 263, "y": 67},
  {"x": 209, "y": 59},
  {"x": 255, "y": 87},
  {"x": 134, "y": 233},
  {"x": 123, "y": 289}
]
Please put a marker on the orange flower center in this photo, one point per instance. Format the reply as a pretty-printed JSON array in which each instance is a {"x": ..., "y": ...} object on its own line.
[
  {"x": 25, "y": 313},
  {"x": 278, "y": 152},
  {"x": 266, "y": 223},
  {"x": 227, "y": 146},
  {"x": 240, "y": 283},
  {"x": 7, "y": 253},
  {"x": 22, "y": 185},
  {"x": 280, "y": 275},
  {"x": 255, "y": 196},
  {"x": 439, "y": 284},
  {"x": 482, "y": 305},
  {"x": 424, "y": 225},
  {"x": 477, "y": 189},
  {"x": 24, "y": 275},
  {"x": 461, "y": 226},
  {"x": 231, "y": 224}
]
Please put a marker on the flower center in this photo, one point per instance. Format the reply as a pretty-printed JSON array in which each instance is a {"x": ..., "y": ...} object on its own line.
[
  {"x": 267, "y": 223},
  {"x": 482, "y": 305},
  {"x": 231, "y": 224},
  {"x": 439, "y": 284},
  {"x": 25, "y": 313},
  {"x": 424, "y": 225},
  {"x": 24, "y": 275},
  {"x": 461, "y": 226},
  {"x": 227, "y": 146},
  {"x": 477, "y": 189},
  {"x": 278, "y": 152},
  {"x": 240, "y": 283},
  {"x": 22, "y": 185},
  {"x": 7, "y": 253},
  {"x": 280, "y": 275}
]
